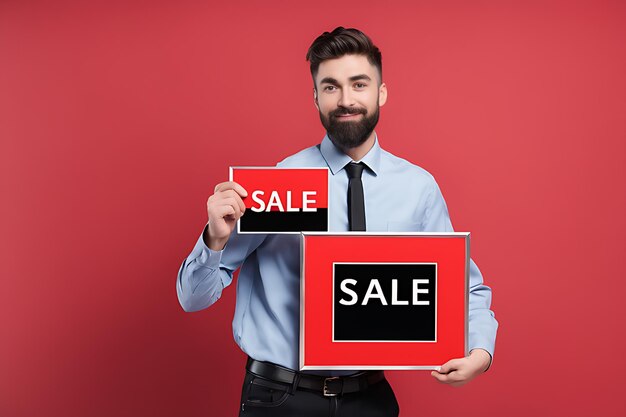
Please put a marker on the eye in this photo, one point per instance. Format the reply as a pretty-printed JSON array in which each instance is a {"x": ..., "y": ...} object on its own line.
[
  {"x": 329, "y": 87},
  {"x": 360, "y": 85}
]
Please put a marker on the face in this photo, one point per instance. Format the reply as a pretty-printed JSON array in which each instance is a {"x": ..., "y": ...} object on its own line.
[{"x": 349, "y": 94}]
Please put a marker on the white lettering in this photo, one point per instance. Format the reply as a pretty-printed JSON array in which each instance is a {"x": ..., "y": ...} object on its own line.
[
  {"x": 417, "y": 291},
  {"x": 289, "y": 208},
  {"x": 351, "y": 293},
  {"x": 394, "y": 295},
  {"x": 306, "y": 201},
  {"x": 256, "y": 199},
  {"x": 375, "y": 290},
  {"x": 374, "y": 284},
  {"x": 274, "y": 202}
]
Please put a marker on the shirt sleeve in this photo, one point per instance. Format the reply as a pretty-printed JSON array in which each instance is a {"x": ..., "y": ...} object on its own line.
[
  {"x": 205, "y": 272},
  {"x": 482, "y": 322}
]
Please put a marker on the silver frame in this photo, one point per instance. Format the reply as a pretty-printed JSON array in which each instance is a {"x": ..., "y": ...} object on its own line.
[
  {"x": 303, "y": 367},
  {"x": 230, "y": 178}
]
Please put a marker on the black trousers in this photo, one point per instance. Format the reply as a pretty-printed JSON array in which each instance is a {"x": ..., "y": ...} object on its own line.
[{"x": 260, "y": 397}]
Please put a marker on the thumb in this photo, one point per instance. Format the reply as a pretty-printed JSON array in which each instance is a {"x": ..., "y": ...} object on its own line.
[{"x": 450, "y": 366}]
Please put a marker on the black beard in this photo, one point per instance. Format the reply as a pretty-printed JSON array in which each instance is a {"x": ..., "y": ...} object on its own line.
[{"x": 349, "y": 134}]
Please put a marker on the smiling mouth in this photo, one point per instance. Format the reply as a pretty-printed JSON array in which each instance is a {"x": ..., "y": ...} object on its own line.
[{"x": 347, "y": 116}]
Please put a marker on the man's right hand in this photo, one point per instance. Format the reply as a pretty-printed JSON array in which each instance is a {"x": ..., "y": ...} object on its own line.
[{"x": 224, "y": 208}]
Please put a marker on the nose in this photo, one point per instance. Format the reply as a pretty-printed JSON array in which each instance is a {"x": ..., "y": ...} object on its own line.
[{"x": 346, "y": 99}]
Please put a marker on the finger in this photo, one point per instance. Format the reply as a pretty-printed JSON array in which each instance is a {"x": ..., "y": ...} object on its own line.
[
  {"x": 219, "y": 187},
  {"x": 451, "y": 365},
  {"x": 451, "y": 378},
  {"x": 443, "y": 378},
  {"x": 223, "y": 211},
  {"x": 231, "y": 185},
  {"x": 231, "y": 201},
  {"x": 233, "y": 194}
]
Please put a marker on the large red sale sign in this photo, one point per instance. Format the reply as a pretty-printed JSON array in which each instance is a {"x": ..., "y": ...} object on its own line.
[{"x": 383, "y": 300}]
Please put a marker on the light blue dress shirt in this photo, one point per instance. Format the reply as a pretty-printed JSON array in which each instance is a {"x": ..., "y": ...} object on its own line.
[{"x": 399, "y": 197}]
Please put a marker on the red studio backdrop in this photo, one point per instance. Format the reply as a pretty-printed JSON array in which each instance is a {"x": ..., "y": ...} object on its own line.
[{"x": 117, "y": 119}]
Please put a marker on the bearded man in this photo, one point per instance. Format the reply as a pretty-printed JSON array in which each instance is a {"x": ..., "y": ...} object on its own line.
[{"x": 393, "y": 195}]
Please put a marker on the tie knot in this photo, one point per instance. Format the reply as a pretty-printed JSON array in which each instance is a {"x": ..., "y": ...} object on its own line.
[{"x": 355, "y": 170}]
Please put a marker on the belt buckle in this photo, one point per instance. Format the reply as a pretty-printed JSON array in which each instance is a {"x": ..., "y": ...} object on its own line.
[{"x": 326, "y": 393}]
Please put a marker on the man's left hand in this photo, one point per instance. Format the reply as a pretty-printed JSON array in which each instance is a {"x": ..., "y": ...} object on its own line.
[{"x": 457, "y": 372}]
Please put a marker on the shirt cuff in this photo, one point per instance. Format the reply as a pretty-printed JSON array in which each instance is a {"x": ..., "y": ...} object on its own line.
[{"x": 205, "y": 256}]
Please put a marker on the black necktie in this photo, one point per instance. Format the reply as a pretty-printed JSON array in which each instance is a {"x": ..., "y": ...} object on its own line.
[{"x": 356, "y": 202}]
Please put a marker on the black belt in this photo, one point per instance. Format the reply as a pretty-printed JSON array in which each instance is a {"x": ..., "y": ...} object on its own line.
[{"x": 329, "y": 386}]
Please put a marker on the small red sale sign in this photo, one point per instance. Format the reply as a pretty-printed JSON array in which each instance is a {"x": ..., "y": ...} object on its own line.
[{"x": 283, "y": 200}]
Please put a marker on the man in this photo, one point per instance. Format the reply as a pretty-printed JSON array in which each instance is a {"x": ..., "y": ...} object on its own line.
[{"x": 348, "y": 91}]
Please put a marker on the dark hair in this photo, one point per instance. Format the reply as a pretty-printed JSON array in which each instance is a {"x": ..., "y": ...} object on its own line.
[{"x": 340, "y": 42}]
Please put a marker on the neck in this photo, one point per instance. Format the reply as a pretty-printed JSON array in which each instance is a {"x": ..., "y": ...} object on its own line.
[{"x": 360, "y": 151}]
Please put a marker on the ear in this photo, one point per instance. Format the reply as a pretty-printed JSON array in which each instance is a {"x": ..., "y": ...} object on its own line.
[
  {"x": 315, "y": 99},
  {"x": 382, "y": 94}
]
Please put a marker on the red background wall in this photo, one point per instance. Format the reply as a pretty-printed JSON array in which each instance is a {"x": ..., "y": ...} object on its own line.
[{"x": 117, "y": 119}]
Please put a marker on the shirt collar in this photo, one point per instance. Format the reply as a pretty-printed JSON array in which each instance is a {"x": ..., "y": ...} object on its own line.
[{"x": 336, "y": 159}]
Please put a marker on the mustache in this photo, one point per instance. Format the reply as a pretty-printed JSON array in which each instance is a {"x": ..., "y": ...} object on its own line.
[{"x": 345, "y": 110}]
